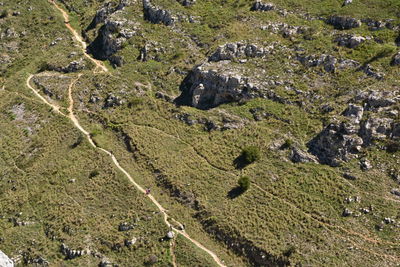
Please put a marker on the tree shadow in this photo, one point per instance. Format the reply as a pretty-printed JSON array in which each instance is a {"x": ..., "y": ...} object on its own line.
[
  {"x": 235, "y": 192},
  {"x": 240, "y": 162}
]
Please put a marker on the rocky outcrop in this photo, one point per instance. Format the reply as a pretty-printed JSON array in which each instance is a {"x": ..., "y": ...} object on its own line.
[
  {"x": 105, "y": 11},
  {"x": 343, "y": 22},
  {"x": 232, "y": 51},
  {"x": 112, "y": 101},
  {"x": 111, "y": 37},
  {"x": 5, "y": 261},
  {"x": 260, "y": 6},
  {"x": 370, "y": 71},
  {"x": 72, "y": 253},
  {"x": 343, "y": 139},
  {"x": 156, "y": 14},
  {"x": 209, "y": 85},
  {"x": 350, "y": 41}
]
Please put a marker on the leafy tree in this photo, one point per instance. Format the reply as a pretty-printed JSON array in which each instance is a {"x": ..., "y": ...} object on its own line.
[
  {"x": 244, "y": 183},
  {"x": 250, "y": 154}
]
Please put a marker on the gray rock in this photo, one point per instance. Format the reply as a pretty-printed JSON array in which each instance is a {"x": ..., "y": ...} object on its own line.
[
  {"x": 112, "y": 101},
  {"x": 382, "y": 99},
  {"x": 355, "y": 112},
  {"x": 5, "y": 261},
  {"x": 343, "y": 22},
  {"x": 365, "y": 164},
  {"x": 157, "y": 15},
  {"x": 260, "y": 6},
  {"x": 396, "y": 59},
  {"x": 370, "y": 71},
  {"x": 395, "y": 192},
  {"x": 347, "y": 2},
  {"x": 130, "y": 242},
  {"x": 299, "y": 156},
  {"x": 106, "y": 10},
  {"x": 72, "y": 253},
  {"x": 187, "y": 2},
  {"x": 347, "y": 213},
  {"x": 349, "y": 176},
  {"x": 350, "y": 41},
  {"x": 327, "y": 61},
  {"x": 170, "y": 235},
  {"x": 125, "y": 227}
]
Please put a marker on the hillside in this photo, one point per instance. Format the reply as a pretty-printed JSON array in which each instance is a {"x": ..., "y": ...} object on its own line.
[{"x": 199, "y": 133}]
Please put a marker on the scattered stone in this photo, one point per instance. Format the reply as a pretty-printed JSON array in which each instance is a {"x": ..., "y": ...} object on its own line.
[
  {"x": 130, "y": 242},
  {"x": 395, "y": 192},
  {"x": 72, "y": 253},
  {"x": 365, "y": 164},
  {"x": 94, "y": 99},
  {"x": 365, "y": 210},
  {"x": 164, "y": 96},
  {"x": 354, "y": 111},
  {"x": 348, "y": 176},
  {"x": 125, "y": 227},
  {"x": 347, "y": 213},
  {"x": 389, "y": 220},
  {"x": 170, "y": 235},
  {"x": 105, "y": 263}
]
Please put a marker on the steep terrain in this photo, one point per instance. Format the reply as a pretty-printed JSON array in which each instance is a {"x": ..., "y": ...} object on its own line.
[{"x": 124, "y": 124}]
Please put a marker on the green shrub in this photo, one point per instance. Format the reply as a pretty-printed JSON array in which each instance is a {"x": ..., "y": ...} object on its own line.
[
  {"x": 244, "y": 183},
  {"x": 250, "y": 154},
  {"x": 93, "y": 173}
]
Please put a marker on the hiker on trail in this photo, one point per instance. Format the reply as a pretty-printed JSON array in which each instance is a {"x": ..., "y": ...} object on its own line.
[{"x": 147, "y": 191}]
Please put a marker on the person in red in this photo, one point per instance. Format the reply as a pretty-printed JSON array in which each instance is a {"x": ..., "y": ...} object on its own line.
[{"x": 147, "y": 191}]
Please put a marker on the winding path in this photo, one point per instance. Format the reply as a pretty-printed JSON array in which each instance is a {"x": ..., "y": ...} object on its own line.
[{"x": 76, "y": 123}]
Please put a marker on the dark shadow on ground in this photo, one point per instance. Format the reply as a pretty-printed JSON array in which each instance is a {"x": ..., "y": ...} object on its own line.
[
  {"x": 235, "y": 192},
  {"x": 240, "y": 162}
]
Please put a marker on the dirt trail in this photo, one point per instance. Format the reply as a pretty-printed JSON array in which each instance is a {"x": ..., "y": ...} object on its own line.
[
  {"x": 78, "y": 38},
  {"x": 76, "y": 123}
]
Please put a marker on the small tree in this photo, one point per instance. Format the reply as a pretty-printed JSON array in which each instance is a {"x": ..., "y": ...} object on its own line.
[
  {"x": 250, "y": 154},
  {"x": 244, "y": 183}
]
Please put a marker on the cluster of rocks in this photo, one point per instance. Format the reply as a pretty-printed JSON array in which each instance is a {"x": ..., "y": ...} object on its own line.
[
  {"x": 284, "y": 29},
  {"x": 111, "y": 101},
  {"x": 157, "y": 15},
  {"x": 151, "y": 51},
  {"x": 328, "y": 62},
  {"x": 125, "y": 227},
  {"x": 232, "y": 51},
  {"x": 350, "y": 41},
  {"x": 343, "y": 22},
  {"x": 343, "y": 139},
  {"x": 73, "y": 66},
  {"x": 260, "y": 6},
  {"x": 72, "y": 253},
  {"x": 375, "y": 25}
]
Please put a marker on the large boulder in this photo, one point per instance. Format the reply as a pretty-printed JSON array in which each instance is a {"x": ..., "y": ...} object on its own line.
[
  {"x": 343, "y": 22},
  {"x": 350, "y": 41},
  {"x": 260, "y": 6},
  {"x": 211, "y": 84}
]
